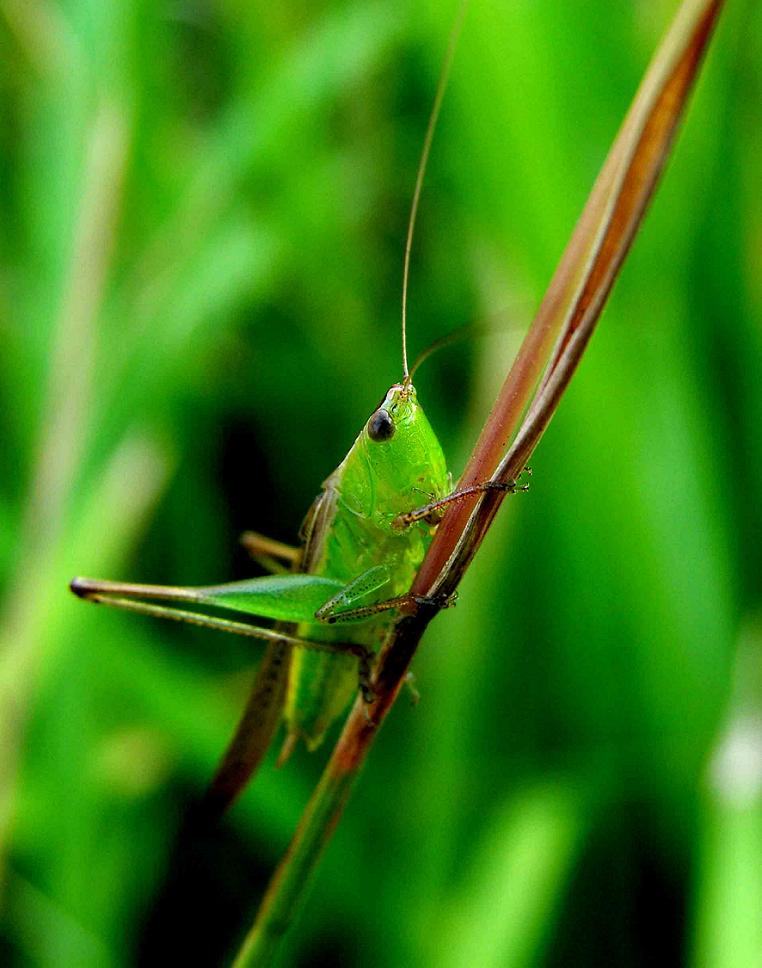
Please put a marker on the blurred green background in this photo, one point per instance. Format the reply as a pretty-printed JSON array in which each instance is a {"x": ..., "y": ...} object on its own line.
[{"x": 203, "y": 213}]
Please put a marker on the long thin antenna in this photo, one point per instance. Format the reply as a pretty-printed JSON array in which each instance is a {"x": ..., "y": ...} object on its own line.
[{"x": 441, "y": 85}]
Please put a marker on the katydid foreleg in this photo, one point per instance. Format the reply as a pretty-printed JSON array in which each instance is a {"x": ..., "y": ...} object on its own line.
[{"x": 432, "y": 512}]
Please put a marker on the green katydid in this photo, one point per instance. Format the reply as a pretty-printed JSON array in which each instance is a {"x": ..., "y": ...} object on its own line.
[{"x": 362, "y": 542}]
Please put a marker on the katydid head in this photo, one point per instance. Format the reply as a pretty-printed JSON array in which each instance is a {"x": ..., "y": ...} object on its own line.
[{"x": 402, "y": 455}]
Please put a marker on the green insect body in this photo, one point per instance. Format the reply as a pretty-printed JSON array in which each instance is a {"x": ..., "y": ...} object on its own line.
[
  {"x": 350, "y": 532},
  {"x": 357, "y": 554}
]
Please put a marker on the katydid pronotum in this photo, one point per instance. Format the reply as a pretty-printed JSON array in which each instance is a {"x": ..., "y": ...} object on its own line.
[{"x": 362, "y": 542}]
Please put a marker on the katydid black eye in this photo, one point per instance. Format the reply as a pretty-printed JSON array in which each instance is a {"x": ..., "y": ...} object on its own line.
[{"x": 380, "y": 426}]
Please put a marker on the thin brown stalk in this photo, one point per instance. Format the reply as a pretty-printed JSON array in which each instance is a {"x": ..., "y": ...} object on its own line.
[{"x": 553, "y": 346}]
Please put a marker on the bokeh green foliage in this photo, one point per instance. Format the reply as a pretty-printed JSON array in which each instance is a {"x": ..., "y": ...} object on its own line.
[{"x": 203, "y": 212}]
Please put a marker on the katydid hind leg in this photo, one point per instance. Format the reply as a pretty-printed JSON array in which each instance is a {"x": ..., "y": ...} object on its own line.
[
  {"x": 287, "y": 598},
  {"x": 120, "y": 595}
]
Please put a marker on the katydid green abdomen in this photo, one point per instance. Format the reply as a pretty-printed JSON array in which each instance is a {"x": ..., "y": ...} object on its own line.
[{"x": 395, "y": 464}]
